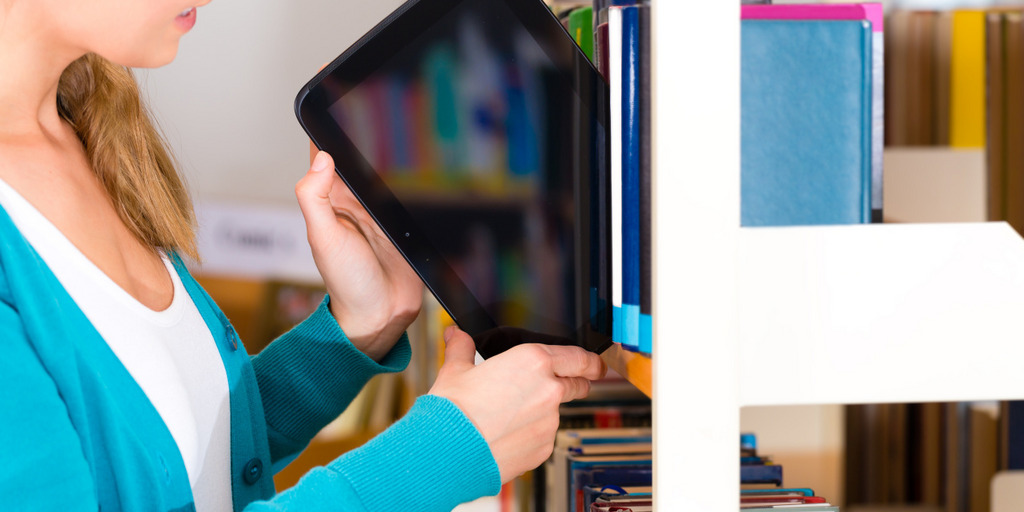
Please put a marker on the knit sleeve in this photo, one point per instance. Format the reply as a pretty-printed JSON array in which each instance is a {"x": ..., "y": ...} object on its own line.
[
  {"x": 431, "y": 460},
  {"x": 309, "y": 375}
]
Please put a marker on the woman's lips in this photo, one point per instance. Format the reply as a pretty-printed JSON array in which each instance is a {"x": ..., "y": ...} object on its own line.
[{"x": 187, "y": 19}]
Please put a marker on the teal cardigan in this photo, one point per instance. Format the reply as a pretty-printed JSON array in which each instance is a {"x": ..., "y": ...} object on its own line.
[{"x": 77, "y": 432}]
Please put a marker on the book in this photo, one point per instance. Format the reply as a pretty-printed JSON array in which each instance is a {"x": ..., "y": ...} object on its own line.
[
  {"x": 967, "y": 80},
  {"x": 606, "y": 494},
  {"x": 873, "y": 13},
  {"x": 920, "y": 88},
  {"x": 805, "y": 122},
  {"x": 918, "y": 52},
  {"x": 768, "y": 500},
  {"x": 1011, "y": 435},
  {"x": 802, "y": 508},
  {"x": 601, "y": 37},
  {"x": 630, "y": 86},
  {"x": 1014, "y": 142},
  {"x": 995, "y": 112},
  {"x": 558, "y": 471},
  {"x": 983, "y": 454},
  {"x": 592, "y": 469},
  {"x": 941, "y": 81},
  {"x": 646, "y": 198},
  {"x": 615, "y": 89},
  {"x": 897, "y": 62},
  {"x": 761, "y": 474},
  {"x": 581, "y": 28},
  {"x": 623, "y": 506},
  {"x": 802, "y": 491}
]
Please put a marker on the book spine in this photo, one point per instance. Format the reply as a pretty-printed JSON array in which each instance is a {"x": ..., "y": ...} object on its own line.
[
  {"x": 1013, "y": 145},
  {"x": 615, "y": 115},
  {"x": 761, "y": 474},
  {"x": 967, "y": 80},
  {"x": 877, "y": 123},
  {"x": 868, "y": 122},
  {"x": 646, "y": 327},
  {"x": 996, "y": 128},
  {"x": 630, "y": 77},
  {"x": 581, "y": 28},
  {"x": 601, "y": 51}
]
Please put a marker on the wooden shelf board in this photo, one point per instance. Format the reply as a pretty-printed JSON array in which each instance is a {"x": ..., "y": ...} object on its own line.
[{"x": 636, "y": 368}]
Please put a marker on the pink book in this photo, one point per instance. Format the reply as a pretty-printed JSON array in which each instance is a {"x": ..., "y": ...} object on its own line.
[{"x": 866, "y": 11}]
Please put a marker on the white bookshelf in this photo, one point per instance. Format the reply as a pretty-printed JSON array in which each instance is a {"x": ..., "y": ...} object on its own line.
[{"x": 852, "y": 314}]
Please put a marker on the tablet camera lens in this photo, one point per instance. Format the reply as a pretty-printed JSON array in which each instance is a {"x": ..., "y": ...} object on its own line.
[{"x": 407, "y": 235}]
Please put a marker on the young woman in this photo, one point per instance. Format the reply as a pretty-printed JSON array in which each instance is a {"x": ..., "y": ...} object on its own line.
[{"x": 122, "y": 385}]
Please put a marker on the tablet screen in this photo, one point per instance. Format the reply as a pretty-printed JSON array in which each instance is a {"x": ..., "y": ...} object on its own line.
[{"x": 489, "y": 140}]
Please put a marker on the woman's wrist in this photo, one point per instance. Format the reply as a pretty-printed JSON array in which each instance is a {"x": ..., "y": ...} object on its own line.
[{"x": 373, "y": 337}]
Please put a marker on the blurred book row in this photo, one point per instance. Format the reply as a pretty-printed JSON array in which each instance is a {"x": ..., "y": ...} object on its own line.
[
  {"x": 615, "y": 36},
  {"x": 935, "y": 456},
  {"x": 955, "y": 80},
  {"x": 762, "y": 487}
]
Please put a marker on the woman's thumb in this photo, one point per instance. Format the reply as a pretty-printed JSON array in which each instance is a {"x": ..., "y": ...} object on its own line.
[
  {"x": 314, "y": 191},
  {"x": 458, "y": 348}
]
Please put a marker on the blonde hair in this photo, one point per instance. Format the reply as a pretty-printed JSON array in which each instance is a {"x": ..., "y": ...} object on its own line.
[{"x": 101, "y": 101}]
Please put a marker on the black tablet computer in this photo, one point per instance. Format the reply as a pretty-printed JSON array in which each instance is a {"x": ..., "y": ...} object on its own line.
[{"x": 474, "y": 133}]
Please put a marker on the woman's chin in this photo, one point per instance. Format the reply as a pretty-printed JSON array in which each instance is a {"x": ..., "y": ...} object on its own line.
[{"x": 153, "y": 59}]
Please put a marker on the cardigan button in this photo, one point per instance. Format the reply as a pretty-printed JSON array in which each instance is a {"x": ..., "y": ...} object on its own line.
[
  {"x": 232, "y": 336},
  {"x": 253, "y": 471}
]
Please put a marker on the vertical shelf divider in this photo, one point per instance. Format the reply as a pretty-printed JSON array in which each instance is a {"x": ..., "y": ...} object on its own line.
[{"x": 696, "y": 216}]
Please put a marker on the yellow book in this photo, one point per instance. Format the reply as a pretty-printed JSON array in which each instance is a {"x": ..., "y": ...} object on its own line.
[{"x": 967, "y": 80}]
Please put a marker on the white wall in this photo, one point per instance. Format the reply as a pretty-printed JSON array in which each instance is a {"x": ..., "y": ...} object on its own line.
[{"x": 225, "y": 103}]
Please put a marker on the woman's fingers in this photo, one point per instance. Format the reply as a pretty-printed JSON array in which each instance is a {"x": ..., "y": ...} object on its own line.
[
  {"x": 576, "y": 362},
  {"x": 574, "y": 388}
]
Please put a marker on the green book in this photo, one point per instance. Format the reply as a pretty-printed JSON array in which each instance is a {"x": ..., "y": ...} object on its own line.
[{"x": 581, "y": 28}]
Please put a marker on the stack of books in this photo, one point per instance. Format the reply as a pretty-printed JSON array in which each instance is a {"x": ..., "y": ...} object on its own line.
[
  {"x": 761, "y": 484},
  {"x": 587, "y": 463}
]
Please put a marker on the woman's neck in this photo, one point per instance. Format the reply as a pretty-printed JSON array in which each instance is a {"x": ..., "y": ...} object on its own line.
[{"x": 33, "y": 58}]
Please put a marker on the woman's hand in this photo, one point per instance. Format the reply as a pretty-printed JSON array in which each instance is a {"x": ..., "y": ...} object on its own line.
[
  {"x": 374, "y": 292},
  {"x": 513, "y": 398}
]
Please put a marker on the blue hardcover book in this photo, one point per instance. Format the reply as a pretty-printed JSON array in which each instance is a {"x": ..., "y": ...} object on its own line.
[
  {"x": 583, "y": 469},
  {"x": 806, "y": 122},
  {"x": 594, "y": 482},
  {"x": 629, "y": 76},
  {"x": 796, "y": 490},
  {"x": 761, "y": 474}
]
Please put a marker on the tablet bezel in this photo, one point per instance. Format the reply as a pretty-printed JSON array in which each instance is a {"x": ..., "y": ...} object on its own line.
[{"x": 359, "y": 61}]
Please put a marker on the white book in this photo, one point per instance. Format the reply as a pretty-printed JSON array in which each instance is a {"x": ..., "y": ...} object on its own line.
[{"x": 615, "y": 130}]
